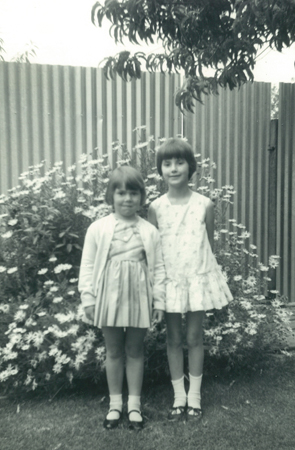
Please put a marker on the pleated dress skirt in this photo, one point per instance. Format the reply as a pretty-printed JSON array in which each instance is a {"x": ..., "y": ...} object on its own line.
[{"x": 124, "y": 296}]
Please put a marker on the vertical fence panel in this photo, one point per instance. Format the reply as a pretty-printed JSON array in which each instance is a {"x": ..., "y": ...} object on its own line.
[
  {"x": 286, "y": 190},
  {"x": 232, "y": 129}
]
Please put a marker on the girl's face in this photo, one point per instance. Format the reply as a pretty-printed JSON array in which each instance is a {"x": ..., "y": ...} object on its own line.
[
  {"x": 126, "y": 202},
  {"x": 175, "y": 171}
]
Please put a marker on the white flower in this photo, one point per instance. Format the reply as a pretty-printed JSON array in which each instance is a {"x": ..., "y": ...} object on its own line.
[
  {"x": 224, "y": 231},
  {"x": 251, "y": 281},
  {"x": 54, "y": 289},
  {"x": 263, "y": 268},
  {"x": 62, "y": 267},
  {"x": 57, "y": 299},
  {"x": 276, "y": 303},
  {"x": 12, "y": 270},
  {"x": 71, "y": 292},
  {"x": 73, "y": 280},
  {"x": 260, "y": 297},
  {"x": 59, "y": 195},
  {"x": 19, "y": 316},
  {"x": 62, "y": 318},
  {"x": 52, "y": 259},
  {"x": 100, "y": 352},
  {"x": 73, "y": 330},
  {"x": 23, "y": 306},
  {"x": 25, "y": 347},
  {"x": 2, "y": 269},
  {"x": 253, "y": 247},
  {"x": 48, "y": 283},
  {"x": 57, "y": 368},
  {"x": 4, "y": 308},
  {"x": 251, "y": 331},
  {"x": 273, "y": 263},
  {"x": 42, "y": 271},
  {"x": 38, "y": 338},
  {"x": 12, "y": 222},
  {"x": 28, "y": 380},
  {"x": 7, "y": 235},
  {"x": 238, "y": 278}
]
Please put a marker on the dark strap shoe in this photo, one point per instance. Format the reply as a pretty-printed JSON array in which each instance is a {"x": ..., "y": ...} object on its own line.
[
  {"x": 132, "y": 424},
  {"x": 111, "y": 424}
]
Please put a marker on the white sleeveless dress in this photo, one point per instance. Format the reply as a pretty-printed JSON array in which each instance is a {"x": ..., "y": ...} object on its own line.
[{"x": 194, "y": 279}]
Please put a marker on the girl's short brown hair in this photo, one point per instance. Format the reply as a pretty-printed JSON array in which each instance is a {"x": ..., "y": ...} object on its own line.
[
  {"x": 127, "y": 177},
  {"x": 176, "y": 148}
]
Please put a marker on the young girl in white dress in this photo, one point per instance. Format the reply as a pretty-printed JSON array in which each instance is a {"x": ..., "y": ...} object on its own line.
[
  {"x": 195, "y": 284},
  {"x": 122, "y": 286}
]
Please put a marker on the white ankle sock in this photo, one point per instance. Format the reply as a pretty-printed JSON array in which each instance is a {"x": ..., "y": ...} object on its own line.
[
  {"x": 134, "y": 405},
  {"x": 194, "y": 393},
  {"x": 116, "y": 402},
  {"x": 179, "y": 392}
]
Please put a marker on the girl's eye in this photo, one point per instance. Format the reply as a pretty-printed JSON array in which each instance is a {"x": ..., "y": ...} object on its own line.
[{"x": 180, "y": 161}]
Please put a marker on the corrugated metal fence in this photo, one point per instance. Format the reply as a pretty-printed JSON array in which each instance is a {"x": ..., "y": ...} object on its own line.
[
  {"x": 285, "y": 223},
  {"x": 57, "y": 113},
  {"x": 232, "y": 129}
]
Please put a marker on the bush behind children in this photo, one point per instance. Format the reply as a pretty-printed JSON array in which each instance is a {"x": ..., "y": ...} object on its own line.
[{"x": 43, "y": 342}]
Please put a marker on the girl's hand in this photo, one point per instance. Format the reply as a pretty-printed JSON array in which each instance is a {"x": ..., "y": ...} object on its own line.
[
  {"x": 89, "y": 312},
  {"x": 158, "y": 315}
]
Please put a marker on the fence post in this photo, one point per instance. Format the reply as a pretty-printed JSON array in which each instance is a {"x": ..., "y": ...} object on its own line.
[{"x": 272, "y": 197}]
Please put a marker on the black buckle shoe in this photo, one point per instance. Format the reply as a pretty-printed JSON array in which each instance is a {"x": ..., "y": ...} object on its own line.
[
  {"x": 132, "y": 424},
  {"x": 111, "y": 424},
  {"x": 176, "y": 413},
  {"x": 196, "y": 413}
]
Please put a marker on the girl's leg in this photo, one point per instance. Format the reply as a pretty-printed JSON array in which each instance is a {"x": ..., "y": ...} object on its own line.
[
  {"x": 175, "y": 359},
  {"x": 114, "y": 341},
  {"x": 195, "y": 358},
  {"x": 134, "y": 350}
]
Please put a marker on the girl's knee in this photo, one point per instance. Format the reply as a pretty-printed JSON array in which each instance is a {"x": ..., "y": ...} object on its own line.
[
  {"x": 194, "y": 341},
  {"x": 115, "y": 351},
  {"x": 134, "y": 350},
  {"x": 174, "y": 340}
]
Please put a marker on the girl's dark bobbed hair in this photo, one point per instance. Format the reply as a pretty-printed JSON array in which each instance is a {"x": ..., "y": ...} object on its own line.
[
  {"x": 125, "y": 177},
  {"x": 176, "y": 148}
]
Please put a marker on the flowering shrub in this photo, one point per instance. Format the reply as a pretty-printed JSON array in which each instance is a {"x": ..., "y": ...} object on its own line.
[{"x": 43, "y": 342}]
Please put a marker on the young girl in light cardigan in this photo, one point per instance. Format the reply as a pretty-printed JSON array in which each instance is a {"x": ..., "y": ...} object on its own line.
[{"x": 122, "y": 286}]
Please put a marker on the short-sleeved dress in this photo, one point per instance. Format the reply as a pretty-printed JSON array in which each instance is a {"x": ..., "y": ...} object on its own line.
[
  {"x": 194, "y": 279},
  {"x": 124, "y": 297}
]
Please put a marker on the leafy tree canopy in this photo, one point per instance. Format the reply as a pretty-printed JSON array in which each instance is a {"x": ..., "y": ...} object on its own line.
[{"x": 223, "y": 35}]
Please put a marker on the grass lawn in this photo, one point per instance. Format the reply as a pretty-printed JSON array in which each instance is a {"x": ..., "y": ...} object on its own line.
[{"x": 241, "y": 412}]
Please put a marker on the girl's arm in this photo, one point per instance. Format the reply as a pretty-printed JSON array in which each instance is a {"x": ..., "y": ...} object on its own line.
[
  {"x": 85, "y": 286},
  {"x": 152, "y": 216},
  {"x": 159, "y": 283},
  {"x": 209, "y": 220}
]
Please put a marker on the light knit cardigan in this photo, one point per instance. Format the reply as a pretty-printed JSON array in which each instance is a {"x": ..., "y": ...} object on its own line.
[{"x": 95, "y": 253}]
